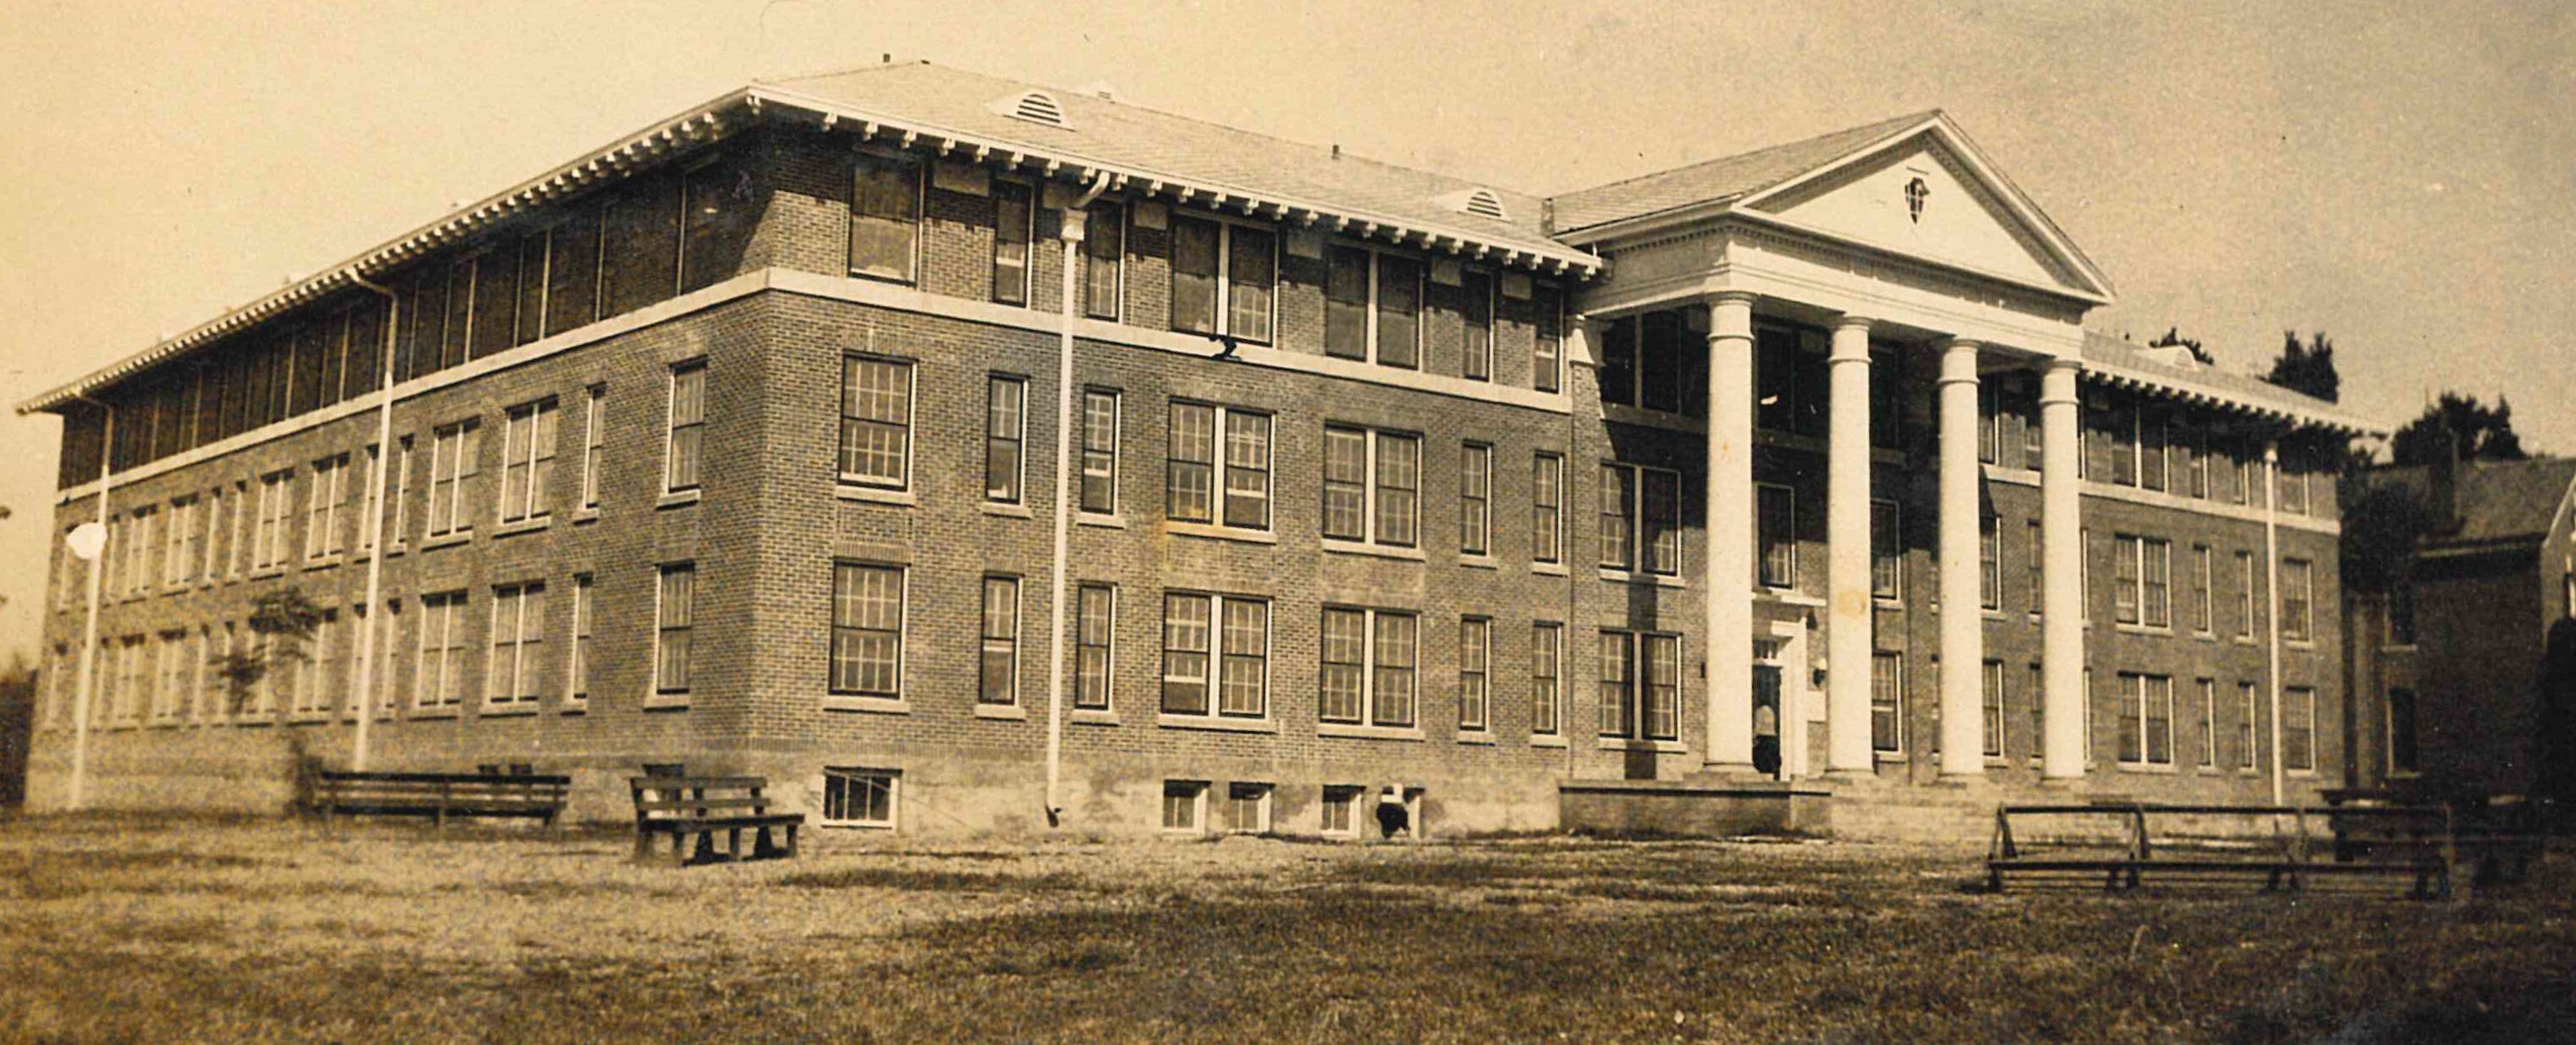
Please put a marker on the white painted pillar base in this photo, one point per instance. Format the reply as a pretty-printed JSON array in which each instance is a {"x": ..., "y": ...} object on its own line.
[
  {"x": 1729, "y": 500},
  {"x": 1847, "y": 550},
  {"x": 1962, "y": 621},
  {"x": 2061, "y": 573}
]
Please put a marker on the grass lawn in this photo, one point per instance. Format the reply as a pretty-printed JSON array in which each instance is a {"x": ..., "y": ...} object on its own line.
[{"x": 117, "y": 929}]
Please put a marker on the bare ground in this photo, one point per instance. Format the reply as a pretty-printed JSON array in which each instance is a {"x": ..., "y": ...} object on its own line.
[{"x": 118, "y": 929}]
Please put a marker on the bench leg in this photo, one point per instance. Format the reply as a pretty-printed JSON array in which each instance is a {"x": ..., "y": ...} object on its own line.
[
  {"x": 643, "y": 845},
  {"x": 791, "y": 841}
]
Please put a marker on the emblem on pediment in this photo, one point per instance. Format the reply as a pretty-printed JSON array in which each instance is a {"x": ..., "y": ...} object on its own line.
[{"x": 1916, "y": 191}]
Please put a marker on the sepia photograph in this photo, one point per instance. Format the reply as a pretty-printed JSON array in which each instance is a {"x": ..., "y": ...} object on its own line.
[{"x": 1835, "y": 522}]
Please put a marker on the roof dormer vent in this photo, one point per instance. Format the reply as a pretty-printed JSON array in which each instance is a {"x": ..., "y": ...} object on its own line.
[
  {"x": 1033, "y": 106},
  {"x": 1479, "y": 202}
]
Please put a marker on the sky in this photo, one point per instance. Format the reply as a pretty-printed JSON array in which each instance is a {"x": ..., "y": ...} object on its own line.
[{"x": 2401, "y": 176}]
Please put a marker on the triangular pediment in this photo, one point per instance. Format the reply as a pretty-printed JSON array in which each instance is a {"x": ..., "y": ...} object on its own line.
[{"x": 1929, "y": 195}]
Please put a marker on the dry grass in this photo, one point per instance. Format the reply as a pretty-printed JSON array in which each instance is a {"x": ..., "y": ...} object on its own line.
[{"x": 123, "y": 929}]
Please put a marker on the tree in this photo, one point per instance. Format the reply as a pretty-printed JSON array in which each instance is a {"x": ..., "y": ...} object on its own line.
[
  {"x": 2482, "y": 433},
  {"x": 2173, "y": 337},
  {"x": 2307, "y": 368},
  {"x": 284, "y": 620}
]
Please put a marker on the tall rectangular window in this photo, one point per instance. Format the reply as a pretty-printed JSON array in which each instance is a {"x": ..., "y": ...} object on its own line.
[
  {"x": 1100, "y": 452},
  {"x": 2124, "y": 446},
  {"x": 518, "y": 644},
  {"x": 876, "y": 422},
  {"x": 268, "y": 537},
  {"x": 1251, "y": 280},
  {"x": 1224, "y": 279},
  {"x": 685, "y": 454},
  {"x": 1618, "y": 516},
  {"x": 1886, "y": 702},
  {"x": 455, "y": 456},
  {"x": 584, "y": 616},
  {"x": 182, "y": 530},
  {"x": 1399, "y": 311},
  {"x": 2153, "y": 441},
  {"x": 1475, "y": 499},
  {"x": 1618, "y": 684},
  {"x": 1993, "y": 708},
  {"x": 2156, "y": 567},
  {"x": 1659, "y": 514},
  {"x": 1547, "y": 693},
  {"x": 1014, "y": 226},
  {"x": 1104, "y": 252},
  {"x": 1346, "y": 302},
  {"x": 572, "y": 272},
  {"x": 1216, "y": 655},
  {"x": 528, "y": 461},
  {"x": 1547, "y": 498},
  {"x": 1373, "y": 306},
  {"x": 1662, "y": 670},
  {"x": 2146, "y": 719},
  {"x": 2298, "y": 729},
  {"x": 674, "y": 621},
  {"x": 324, "y": 500},
  {"x": 998, "y": 669},
  {"x": 1006, "y": 419},
  {"x": 2206, "y": 710},
  {"x": 2248, "y": 710},
  {"x": 1197, "y": 470},
  {"x": 441, "y": 681},
  {"x": 2402, "y": 747},
  {"x": 594, "y": 443},
  {"x": 1197, "y": 247},
  {"x": 2038, "y": 577},
  {"x": 1776, "y": 535},
  {"x": 885, "y": 217},
  {"x": 867, "y": 630},
  {"x": 1476, "y": 293},
  {"x": 1887, "y": 552},
  {"x": 2201, "y": 615},
  {"x": 1990, "y": 563},
  {"x": 1547, "y": 349},
  {"x": 1475, "y": 654},
  {"x": 2296, "y": 600},
  {"x": 1095, "y": 637},
  {"x": 2244, "y": 595}
]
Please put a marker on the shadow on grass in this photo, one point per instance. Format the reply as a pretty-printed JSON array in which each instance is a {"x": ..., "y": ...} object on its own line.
[{"x": 909, "y": 880}]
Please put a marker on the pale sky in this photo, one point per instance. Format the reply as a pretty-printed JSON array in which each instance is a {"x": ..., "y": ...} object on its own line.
[{"x": 2401, "y": 175}]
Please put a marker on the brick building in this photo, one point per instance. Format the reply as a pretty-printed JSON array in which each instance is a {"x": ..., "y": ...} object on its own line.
[{"x": 736, "y": 443}]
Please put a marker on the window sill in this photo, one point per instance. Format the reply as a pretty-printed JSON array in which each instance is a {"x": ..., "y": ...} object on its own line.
[
  {"x": 1107, "y": 522},
  {"x": 876, "y": 495},
  {"x": 1659, "y": 580},
  {"x": 1220, "y": 533},
  {"x": 326, "y": 562},
  {"x": 1093, "y": 717},
  {"x": 868, "y": 705},
  {"x": 1547, "y": 740},
  {"x": 1002, "y": 712},
  {"x": 2143, "y": 629},
  {"x": 1007, "y": 511},
  {"x": 585, "y": 515},
  {"x": 445, "y": 539},
  {"x": 1355, "y": 731},
  {"x": 308, "y": 718},
  {"x": 1662, "y": 747},
  {"x": 667, "y": 702},
  {"x": 513, "y": 710},
  {"x": 1789, "y": 597},
  {"x": 260, "y": 574},
  {"x": 1221, "y": 725},
  {"x": 574, "y": 706},
  {"x": 441, "y": 711},
  {"x": 2149, "y": 767},
  {"x": 1346, "y": 547},
  {"x": 252, "y": 720},
  {"x": 856, "y": 825},
  {"x": 677, "y": 498},
  {"x": 1476, "y": 737},
  {"x": 528, "y": 525},
  {"x": 1479, "y": 562},
  {"x": 1548, "y": 569},
  {"x": 1995, "y": 615}
]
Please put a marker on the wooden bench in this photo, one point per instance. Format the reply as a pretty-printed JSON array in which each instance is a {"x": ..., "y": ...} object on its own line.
[
  {"x": 441, "y": 796},
  {"x": 2495, "y": 837},
  {"x": 2128, "y": 842},
  {"x": 701, "y": 807}
]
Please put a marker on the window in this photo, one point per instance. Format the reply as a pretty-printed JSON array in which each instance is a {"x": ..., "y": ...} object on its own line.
[
  {"x": 1640, "y": 685},
  {"x": 1777, "y": 537},
  {"x": 1547, "y": 496},
  {"x": 1887, "y": 552},
  {"x": 1368, "y": 674},
  {"x": 867, "y": 630},
  {"x": 1005, "y": 436},
  {"x": 1547, "y": 700},
  {"x": 1372, "y": 485},
  {"x": 2401, "y": 731},
  {"x": 1476, "y": 293},
  {"x": 2244, "y": 595},
  {"x": 1341, "y": 804},
  {"x": 686, "y": 452},
  {"x": 1618, "y": 683},
  {"x": 674, "y": 615},
  {"x": 1618, "y": 517},
  {"x": 1233, "y": 630},
  {"x": 2146, "y": 719},
  {"x": 219, "y": 510},
  {"x": 1990, "y": 563},
  {"x": 1224, "y": 276},
  {"x": 572, "y": 272},
  {"x": 1373, "y": 306},
  {"x": 1198, "y": 471},
  {"x": 2153, "y": 442},
  {"x": 140, "y": 551},
  {"x": 2299, "y": 729},
  {"x": 455, "y": 455},
  {"x": 2208, "y": 690},
  {"x": 1990, "y": 420},
  {"x": 1993, "y": 708},
  {"x": 2401, "y": 609},
  {"x": 179, "y": 558},
  {"x": 1104, "y": 251},
  {"x": 584, "y": 613},
  {"x": 401, "y": 496},
  {"x": 999, "y": 665},
  {"x": 1475, "y": 654},
  {"x": 1182, "y": 804},
  {"x": 876, "y": 422},
  {"x": 442, "y": 651},
  {"x": 2295, "y": 600},
  {"x": 1013, "y": 227},
  {"x": 1886, "y": 702},
  {"x": 2294, "y": 488},
  {"x": 1640, "y": 519},
  {"x": 1247, "y": 809},
  {"x": 885, "y": 217},
  {"x": 2038, "y": 578},
  {"x": 1095, "y": 637},
  {"x": 855, "y": 797},
  {"x": 528, "y": 461},
  {"x": 2038, "y": 692},
  {"x": 2142, "y": 581},
  {"x": 1475, "y": 499},
  {"x": 268, "y": 537},
  {"x": 518, "y": 637},
  {"x": 717, "y": 208},
  {"x": 1789, "y": 380},
  {"x": 1547, "y": 349},
  {"x": 594, "y": 442},
  {"x": 171, "y": 687},
  {"x": 1100, "y": 452},
  {"x": 2247, "y": 712},
  {"x": 2198, "y": 461}
]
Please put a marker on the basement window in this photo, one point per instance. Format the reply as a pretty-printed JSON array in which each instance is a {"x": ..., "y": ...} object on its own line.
[{"x": 854, "y": 797}]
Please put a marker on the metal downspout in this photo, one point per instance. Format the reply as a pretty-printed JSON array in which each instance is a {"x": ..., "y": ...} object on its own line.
[
  {"x": 1070, "y": 234},
  {"x": 373, "y": 613},
  {"x": 89, "y": 631}
]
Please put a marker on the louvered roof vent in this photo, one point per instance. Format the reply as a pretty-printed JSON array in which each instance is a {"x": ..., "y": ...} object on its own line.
[
  {"x": 1033, "y": 106},
  {"x": 1479, "y": 202}
]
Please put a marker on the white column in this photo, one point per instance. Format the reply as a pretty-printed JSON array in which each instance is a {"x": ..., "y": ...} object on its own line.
[
  {"x": 1963, "y": 625},
  {"x": 2061, "y": 572},
  {"x": 1729, "y": 500},
  {"x": 1847, "y": 551}
]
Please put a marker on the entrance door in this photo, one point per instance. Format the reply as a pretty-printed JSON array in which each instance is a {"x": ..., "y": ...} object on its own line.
[{"x": 1766, "y": 707}]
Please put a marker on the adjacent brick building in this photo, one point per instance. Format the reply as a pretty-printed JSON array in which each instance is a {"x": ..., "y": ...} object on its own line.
[{"x": 735, "y": 444}]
